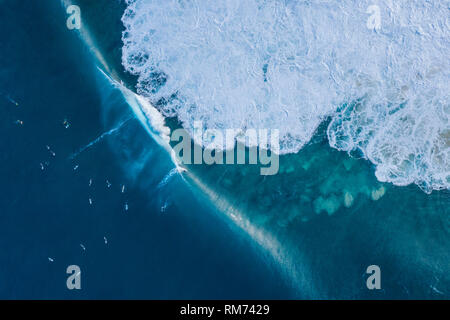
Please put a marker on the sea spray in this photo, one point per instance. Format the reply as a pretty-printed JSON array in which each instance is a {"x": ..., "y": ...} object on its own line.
[{"x": 291, "y": 65}]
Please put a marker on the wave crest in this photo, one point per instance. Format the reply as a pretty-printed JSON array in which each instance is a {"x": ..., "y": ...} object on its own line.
[{"x": 288, "y": 65}]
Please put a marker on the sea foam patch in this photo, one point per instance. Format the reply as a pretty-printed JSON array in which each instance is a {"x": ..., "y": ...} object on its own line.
[{"x": 289, "y": 65}]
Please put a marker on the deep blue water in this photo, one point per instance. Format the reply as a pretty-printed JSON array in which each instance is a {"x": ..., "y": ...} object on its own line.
[{"x": 187, "y": 251}]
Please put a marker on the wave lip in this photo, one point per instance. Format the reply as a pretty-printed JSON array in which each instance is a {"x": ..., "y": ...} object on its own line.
[{"x": 289, "y": 65}]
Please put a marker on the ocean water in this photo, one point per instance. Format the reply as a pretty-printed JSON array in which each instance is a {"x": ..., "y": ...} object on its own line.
[
  {"x": 218, "y": 231},
  {"x": 167, "y": 245},
  {"x": 319, "y": 74},
  {"x": 290, "y": 65}
]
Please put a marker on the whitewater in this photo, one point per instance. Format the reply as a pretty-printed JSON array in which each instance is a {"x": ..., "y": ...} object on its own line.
[{"x": 291, "y": 65}]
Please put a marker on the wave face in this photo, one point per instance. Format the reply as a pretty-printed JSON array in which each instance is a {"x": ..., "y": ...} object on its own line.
[{"x": 289, "y": 65}]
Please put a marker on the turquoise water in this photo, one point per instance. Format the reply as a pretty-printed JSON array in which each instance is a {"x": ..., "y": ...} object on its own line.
[
  {"x": 309, "y": 231},
  {"x": 325, "y": 217}
]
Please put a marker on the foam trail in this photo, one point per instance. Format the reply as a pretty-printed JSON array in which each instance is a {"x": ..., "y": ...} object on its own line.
[
  {"x": 8, "y": 97},
  {"x": 12, "y": 100},
  {"x": 85, "y": 34},
  {"x": 167, "y": 177},
  {"x": 100, "y": 138}
]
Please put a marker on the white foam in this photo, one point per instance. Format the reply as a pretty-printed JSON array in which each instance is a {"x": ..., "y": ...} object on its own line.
[{"x": 288, "y": 65}]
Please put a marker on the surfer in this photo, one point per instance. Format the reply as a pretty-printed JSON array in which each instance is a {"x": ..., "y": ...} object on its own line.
[
  {"x": 50, "y": 150},
  {"x": 12, "y": 101},
  {"x": 66, "y": 124}
]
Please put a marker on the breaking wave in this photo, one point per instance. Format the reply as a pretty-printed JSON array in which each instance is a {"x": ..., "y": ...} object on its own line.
[{"x": 289, "y": 65}]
